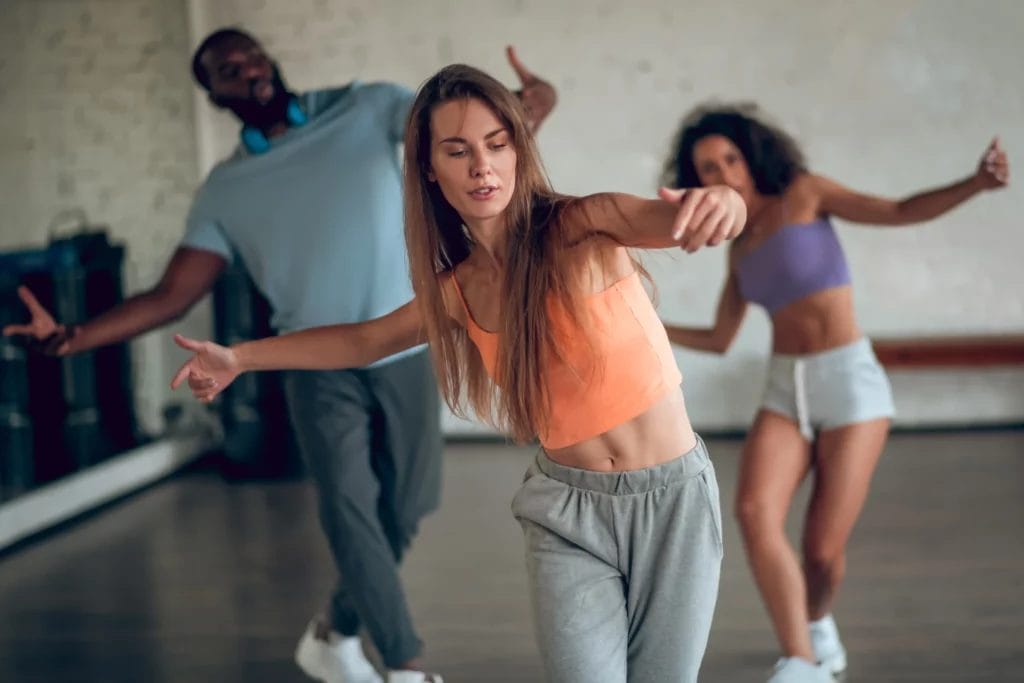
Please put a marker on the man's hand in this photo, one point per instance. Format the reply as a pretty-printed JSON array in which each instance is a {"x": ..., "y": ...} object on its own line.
[
  {"x": 42, "y": 331},
  {"x": 537, "y": 95}
]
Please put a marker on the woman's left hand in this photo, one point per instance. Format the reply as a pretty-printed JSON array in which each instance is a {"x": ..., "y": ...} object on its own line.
[{"x": 707, "y": 216}]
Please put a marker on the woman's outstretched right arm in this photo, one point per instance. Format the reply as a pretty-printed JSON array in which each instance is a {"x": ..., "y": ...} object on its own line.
[
  {"x": 732, "y": 308},
  {"x": 332, "y": 347}
]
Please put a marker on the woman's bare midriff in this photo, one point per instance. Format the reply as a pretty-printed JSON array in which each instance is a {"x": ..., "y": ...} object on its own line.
[
  {"x": 660, "y": 434},
  {"x": 822, "y": 321}
]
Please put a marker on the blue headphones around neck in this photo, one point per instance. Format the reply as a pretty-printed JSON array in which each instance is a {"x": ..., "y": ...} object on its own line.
[{"x": 257, "y": 143}]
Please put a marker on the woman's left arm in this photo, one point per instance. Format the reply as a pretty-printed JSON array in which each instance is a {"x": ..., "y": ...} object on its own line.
[
  {"x": 993, "y": 172},
  {"x": 690, "y": 218}
]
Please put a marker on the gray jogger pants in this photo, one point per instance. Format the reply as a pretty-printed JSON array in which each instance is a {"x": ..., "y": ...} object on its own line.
[{"x": 623, "y": 568}]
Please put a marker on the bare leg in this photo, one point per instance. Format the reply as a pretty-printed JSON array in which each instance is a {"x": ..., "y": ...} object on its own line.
[
  {"x": 776, "y": 458},
  {"x": 847, "y": 457}
]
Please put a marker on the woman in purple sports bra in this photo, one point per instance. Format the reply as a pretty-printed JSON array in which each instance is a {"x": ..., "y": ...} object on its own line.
[{"x": 827, "y": 405}]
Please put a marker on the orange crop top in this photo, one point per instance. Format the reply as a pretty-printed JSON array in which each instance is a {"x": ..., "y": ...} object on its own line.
[{"x": 635, "y": 367}]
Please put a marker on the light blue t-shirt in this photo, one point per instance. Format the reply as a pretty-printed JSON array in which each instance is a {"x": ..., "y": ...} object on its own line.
[{"x": 317, "y": 219}]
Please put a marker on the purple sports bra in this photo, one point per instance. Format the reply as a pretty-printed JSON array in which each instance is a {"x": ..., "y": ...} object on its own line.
[{"x": 798, "y": 260}]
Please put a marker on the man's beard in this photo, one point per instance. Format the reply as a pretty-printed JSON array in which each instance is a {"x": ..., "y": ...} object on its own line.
[{"x": 260, "y": 115}]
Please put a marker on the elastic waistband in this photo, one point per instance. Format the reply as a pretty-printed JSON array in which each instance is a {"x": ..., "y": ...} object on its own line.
[
  {"x": 857, "y": 346},
  {"x": 629, "y": 482}
]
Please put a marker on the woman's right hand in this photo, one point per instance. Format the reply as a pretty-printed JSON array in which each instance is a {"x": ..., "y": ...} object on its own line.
[
  {"x": 994, "y": 168},
  {"x": 209, "y": 371}
]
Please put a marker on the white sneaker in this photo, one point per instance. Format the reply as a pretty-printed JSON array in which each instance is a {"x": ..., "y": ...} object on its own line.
[
  {"x": 828, "y": 649},
  {"x": 797, "y": 670},
  {"x": 328, "y": 656},
  {"x": 413, "y": 677}
]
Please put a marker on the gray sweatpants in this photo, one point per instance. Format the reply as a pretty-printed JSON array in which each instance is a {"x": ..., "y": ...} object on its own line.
[
  {"x": 623, "y": 568},
  {"x": 372, "y": 443}
]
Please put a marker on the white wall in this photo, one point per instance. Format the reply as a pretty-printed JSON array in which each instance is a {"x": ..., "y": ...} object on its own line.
[
  {"x": 96, "y": 113},
  {"x": 886, "y": 95}
]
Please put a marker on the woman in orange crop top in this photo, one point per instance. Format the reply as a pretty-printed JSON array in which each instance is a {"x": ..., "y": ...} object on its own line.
[{"x": 537, "y": 320}]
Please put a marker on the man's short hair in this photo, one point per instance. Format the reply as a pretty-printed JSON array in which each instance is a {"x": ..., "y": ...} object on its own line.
[{"x": 198, "y": 70}]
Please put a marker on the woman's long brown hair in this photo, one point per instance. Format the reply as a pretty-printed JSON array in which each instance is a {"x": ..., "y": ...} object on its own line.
[{"x": 538, "y": 271}]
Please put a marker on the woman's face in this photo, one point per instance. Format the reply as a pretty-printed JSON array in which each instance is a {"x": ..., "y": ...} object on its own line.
[
  {"x": 720, "y": 162},
  {"x": 473, "y": 159}
]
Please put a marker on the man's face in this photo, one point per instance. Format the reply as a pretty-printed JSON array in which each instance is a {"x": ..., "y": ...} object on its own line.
[{"x": 245, "y": 80}]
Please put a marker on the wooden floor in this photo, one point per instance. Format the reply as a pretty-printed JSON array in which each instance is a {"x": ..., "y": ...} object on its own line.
[{"x": 200, "y": 580}]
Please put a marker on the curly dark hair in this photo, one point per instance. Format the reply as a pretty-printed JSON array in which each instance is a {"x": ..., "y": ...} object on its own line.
[{"x": 773, "y": 156}]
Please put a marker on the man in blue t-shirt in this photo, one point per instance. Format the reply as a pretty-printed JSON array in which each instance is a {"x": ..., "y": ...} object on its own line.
[{"x": 311, "y": 203}]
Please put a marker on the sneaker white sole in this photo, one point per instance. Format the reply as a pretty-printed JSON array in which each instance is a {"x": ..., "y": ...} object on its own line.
[
  {"x": 306, "y": 661},
  {"x": 836, "y": 664}
]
